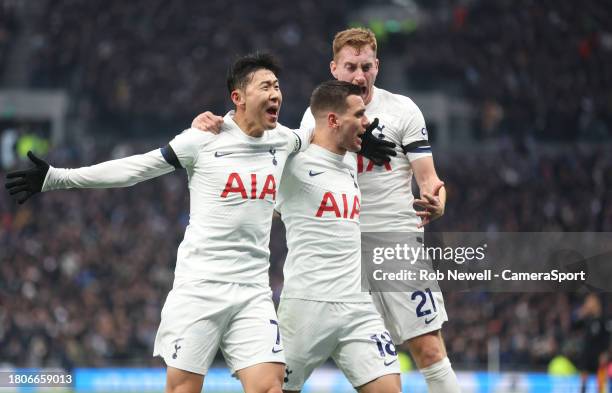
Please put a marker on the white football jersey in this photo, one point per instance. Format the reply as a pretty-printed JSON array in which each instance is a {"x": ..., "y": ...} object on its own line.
[
  {"x": 233, "y": 183},
  {"x": 387, "y": 190},
  {"x": 319, "y": 202}
]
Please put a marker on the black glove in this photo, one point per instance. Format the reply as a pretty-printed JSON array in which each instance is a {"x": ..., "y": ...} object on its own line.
[
  {"x": 29, "y": 181},
  {"x": 376, "y": 149}
]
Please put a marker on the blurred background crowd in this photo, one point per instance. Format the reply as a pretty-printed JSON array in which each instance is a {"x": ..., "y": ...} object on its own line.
[
  {"x": 143, "y": 62},
  {"x": 539, "y": 68},
  {"x": 8, "y": 29},
  {"x": 83, "y": 274},
  {"x": 533, "y": 67}
]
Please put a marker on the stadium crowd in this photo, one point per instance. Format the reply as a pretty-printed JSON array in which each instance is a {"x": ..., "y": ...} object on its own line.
[
  {"x": 542, "y": 63},
  {"x": 8, "y": 30},
  {"x": 84, "y": 273},
  {"x": 151, "y": 60}
]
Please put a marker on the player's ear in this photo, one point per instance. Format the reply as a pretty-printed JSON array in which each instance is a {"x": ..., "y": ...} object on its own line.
[
  {"x": 237, "y": 97},
  {"x": 332, "y": 68},
  {"x": 332, "y": 120}
]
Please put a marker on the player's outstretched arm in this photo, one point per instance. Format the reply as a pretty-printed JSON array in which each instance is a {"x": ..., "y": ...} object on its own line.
[
  {"x": 123, "y": 172},
  {"x": 433, "y": 193},
  {"x": 23, "y": 184}
]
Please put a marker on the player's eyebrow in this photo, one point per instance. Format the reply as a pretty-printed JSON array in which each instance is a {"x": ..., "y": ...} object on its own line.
[
  {"x": 268, "y": 82},
  {"x": 366, "y": 64}
]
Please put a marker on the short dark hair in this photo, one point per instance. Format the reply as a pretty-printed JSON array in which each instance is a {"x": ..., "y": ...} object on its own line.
[
  {"x": 240, "y": 71},
  {"x": 331, "y": 96}
]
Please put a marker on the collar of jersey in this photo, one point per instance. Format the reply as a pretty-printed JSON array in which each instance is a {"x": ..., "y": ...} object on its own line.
[
  {"x": 229, "y": 125},
  {"x": 374, "y": 101},
  {"x": 318, "y": 151}
]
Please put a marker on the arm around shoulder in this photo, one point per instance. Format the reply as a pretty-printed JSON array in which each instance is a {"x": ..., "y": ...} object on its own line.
[{"x": 187, "y": 145}]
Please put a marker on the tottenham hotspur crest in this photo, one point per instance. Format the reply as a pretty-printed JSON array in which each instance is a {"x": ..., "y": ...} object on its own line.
[
  {"x": 380, "y": 129},
  {"x": 273, "y": 152},
  {"x": 176, "y": 348}
]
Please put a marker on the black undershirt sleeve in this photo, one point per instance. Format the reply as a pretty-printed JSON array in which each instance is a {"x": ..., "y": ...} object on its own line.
[{"x": 170, "y": 156}]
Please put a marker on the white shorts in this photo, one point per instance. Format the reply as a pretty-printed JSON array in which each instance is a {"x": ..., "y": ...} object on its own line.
[
  {"x": 198, "y": 319},
  {"x": 408, "y": 309},
  {"x": 411, "y": 314},
  {"x": 352, "y": 334}
]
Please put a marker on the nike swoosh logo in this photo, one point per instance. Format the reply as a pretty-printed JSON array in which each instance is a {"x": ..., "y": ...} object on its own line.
[
  {"x": 428, "y": 321},
  {"x": 274, "y": 350},
  {"x": 390, "y": 363},
  {"x": 311, "y": 173},
  {"x": 219, "y": 154}
]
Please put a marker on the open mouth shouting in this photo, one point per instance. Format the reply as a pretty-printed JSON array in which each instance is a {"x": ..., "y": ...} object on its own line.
[
  {"x": 272, "y": 113},
  {"x": 364, "y": 91}
]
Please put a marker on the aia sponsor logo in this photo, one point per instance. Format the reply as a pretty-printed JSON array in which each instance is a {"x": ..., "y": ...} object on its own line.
[
  {"x": 362, "y": 166},
  {"x": 330, "y": 206},
  {"x": 236, "y": 185}
]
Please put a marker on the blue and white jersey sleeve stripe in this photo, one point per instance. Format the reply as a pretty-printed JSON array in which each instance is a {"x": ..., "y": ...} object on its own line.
[{"x": 415, "y": 143}]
